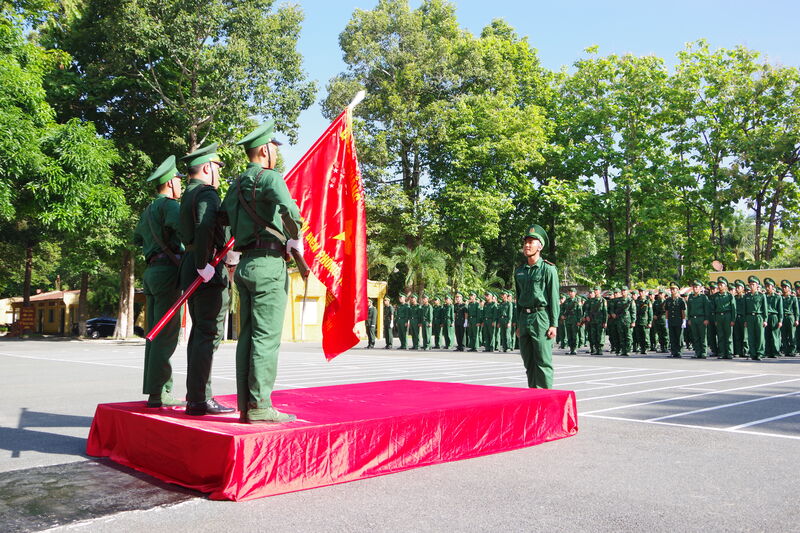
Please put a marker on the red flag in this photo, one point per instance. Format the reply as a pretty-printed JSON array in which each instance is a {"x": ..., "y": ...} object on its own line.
[{"x": 326, "y": 184}]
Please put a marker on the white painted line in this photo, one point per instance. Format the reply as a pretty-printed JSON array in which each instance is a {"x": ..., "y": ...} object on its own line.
[
  {"x": 723, "y": 406},
  {"x": 663, "y": 400},
  {"x": 671, "y": 387},
  {"x": 764, "y": 420},
  {"x": 633, "y": 377},
  {"x": 618, "y": 385},
  {"x": 692, "y": 426}
]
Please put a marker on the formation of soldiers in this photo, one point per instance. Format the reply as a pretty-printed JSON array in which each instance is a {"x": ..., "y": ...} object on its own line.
[
  {"x": 720, "y": 319},
  {"x": 488, "y": 323}
]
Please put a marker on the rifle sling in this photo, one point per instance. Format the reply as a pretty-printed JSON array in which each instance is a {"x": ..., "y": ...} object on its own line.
[
  {"x": 252, "y": 212},
  {"x": 169, "y": 253}
]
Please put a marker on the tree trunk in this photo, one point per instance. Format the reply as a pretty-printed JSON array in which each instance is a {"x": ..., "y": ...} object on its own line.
[
  {"x": 757, "y": 243},
  {"x": 125, "y": 317},
  {"x": 612, "y": 255},
  {"x": 26, "y": 288},
  {"x": 773, "y": 220},
  {"x": 83, "y": 304},
  {"x": 628, "y": 233}
]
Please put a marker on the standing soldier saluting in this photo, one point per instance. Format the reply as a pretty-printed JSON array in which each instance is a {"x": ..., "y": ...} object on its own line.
[
  {"x": 202, "y": 234},
  {"x": 157, "y": 234},
  {"x": 265, "y": 222},
  {"x": 537, "y": 304}
]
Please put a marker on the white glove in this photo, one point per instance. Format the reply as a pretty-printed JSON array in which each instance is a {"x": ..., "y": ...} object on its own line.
[
  {"x": 207, "y": 272},
  {"x": 465, "y": 323},
  {"x": 295, "y": 244},
  {"x": 683, "y": 325},
  {"x": 232, "y": 258}
]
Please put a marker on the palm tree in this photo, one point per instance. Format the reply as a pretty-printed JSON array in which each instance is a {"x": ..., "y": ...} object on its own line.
[{"x": 426, "y": 266}]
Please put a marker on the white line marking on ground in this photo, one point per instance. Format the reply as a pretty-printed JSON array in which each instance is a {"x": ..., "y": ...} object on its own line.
[
  {"x": 723, "y": 406},
  {"x": 671, "y": 387},
  {"x": 763, "y": 420}
]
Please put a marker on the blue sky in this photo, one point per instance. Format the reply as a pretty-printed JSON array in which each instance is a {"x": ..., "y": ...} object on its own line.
[{"x": 561, "y": 30}]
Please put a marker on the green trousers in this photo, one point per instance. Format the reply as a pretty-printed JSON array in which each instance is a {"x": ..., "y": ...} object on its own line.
[
  {"x": 699, "y": 333},
  {"x": 712, "y": 338},
  {"x": 740, "y": 344},
  {"x": 613, "y": 335},
  {"x": 787, "y": 336},
  {"x": 675, "y": 341},
  {"x": 773, "y": 337},
  {"x": 595, "y": 337},
  {"x": 625, "y": 335},
  {"x": 724, "y": 337},
  {"x": 387, "y": 333},
  {"x": 571, "y": 330},
  {"x": 425, "y": 333},
  {"x": 402, "y": 334},
  {"x": 640, "y": 340},
  {"x": 449, "y": 334},
  {"x": 263, "y": 287},
  {"x": 536, "y": 349},
  {"x": 207, "y": 307},
  {"x": 436, "y": 332},
  {"x": 161, "y": 291},
  {"x": 472, "y": 336},
  {"x": 488, "y": 336},
  {"x": 506, "y": 340},
  {"x": 660, "y": 327},
  {"x": 755, "y": 336},
  {"x": 414, "y": 335}
]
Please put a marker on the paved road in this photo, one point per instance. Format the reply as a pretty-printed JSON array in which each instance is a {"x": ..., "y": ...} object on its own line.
[{"x": 664, "y": 445}]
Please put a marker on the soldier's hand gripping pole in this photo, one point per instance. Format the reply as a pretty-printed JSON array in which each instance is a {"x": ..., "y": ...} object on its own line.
[{"x": 187, "y": 293}]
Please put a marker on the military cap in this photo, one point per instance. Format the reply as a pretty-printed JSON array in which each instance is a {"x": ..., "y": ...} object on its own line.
[
  {"x": 721, "y": 280},
  {"x": 739, "y": 283},
  {"x": 662, "y": 291},
  {"x": 165, "y": 171},
  {"x": 458, "y": 294},
  {"x": 597, "y": 288},
  {"x": 412, "y": 295},
  {"x": 769, "y": 281},
  {"x": 572, "y": 289},
  {"x": 753, "y": 279},
  {"x": 436, "y": 298},
  {"x": 624, "y": 288},
  {"x": 712, "y": 284},
  {"x": 472, "y": 293},
  {"x": 202, "y": 155},
  {"x": 797, "y": 284},
  {"x": 562, "y": 295},
  {"x": 786, "y": 283},
  {"x": 673, "y": 285},
  {"x": 263, "y": 134},
  {"x": 537, "y": 232}
]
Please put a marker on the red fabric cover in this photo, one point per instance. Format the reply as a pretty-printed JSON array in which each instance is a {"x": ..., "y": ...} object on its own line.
[{"x": 343, "y": 433}]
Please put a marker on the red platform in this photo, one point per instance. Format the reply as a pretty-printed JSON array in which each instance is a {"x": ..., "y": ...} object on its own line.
[{"x": 342, "y": 433}]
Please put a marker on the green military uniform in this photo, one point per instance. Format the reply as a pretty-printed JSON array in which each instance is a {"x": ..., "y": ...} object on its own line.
[
  {"x": 370, "y": 323},
  {"x": 414, "y": 320},
  {"x": 388, "y": 315},
  {"x": 261, "y": 277},
  {"x": 740, "y": 344},
  {"x": 157, "y": 234},
  {"x": 790, "y": 315},
  {"x": 755, "y": 312},
  {"x": 438, "y": 320},
  {"x": 571, "y": 315},
  {"x": 581, "y": 329},
  {"x": 797, "y": 329},
  {"x": 675, "y": 312},
  {"x": 460, "y": 316},
  {"x": 489, "y": 323},
  {"x": 426, "y": 323},
  {"x": 699, "y": 314},
  {"x": 538, "y": 310},
  {"x": 772, "y": 331},
  {"x": 711, "y": 330},
  {"x": 473, "y": 317},
  {"x": 448, "y": 321},
  {"x": 724, "y": 309},
  {"x": 659, "y": 323},
  {"x": 625, "y": 312},
  {"x": 201, "y": 230},
  {"x": 561, "y": 331},
  {"x": 596, "y": 317},
  {"x": 611, "y": 323},
  {"x": 504, "y": 312},
  {"x": 644, "y": 316},
  {"x": 403, "y": 319}
]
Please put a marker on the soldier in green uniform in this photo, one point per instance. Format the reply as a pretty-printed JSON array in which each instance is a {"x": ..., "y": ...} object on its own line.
[
  {"x": 414, "y": 321},
  {"x": 772, "y": 331},
  {"x": 611, "y": 323},
  {"x": 582, "y": 325},
  {"x": 504, "y": 322},
  {"x": 797, "y": 329},
  {"x": 596, "y": 317},
  {"x": 740, "y": 344},
  {"x": 425, "y": 322},
  {"x": 699, "y": 311},
  {"x": 725, "y": 318},
  {"x": 473, "y": 318},
  {"x": 755, "y": 312},
  {"x": 644, "y": 317},
  {"x": 436, "y": 325},
  {"x": 460, "y": 318},
  {"x": 448, "y": 320},
  {"x": 659, "y": 323},
  {"x": 388, "y": 315},
  {"x": 561, "y": 332},
  {"x": 790, "y": 315},
  {"x": 625, "y": 315},
  {"x": 403, "y": 319},
  {"x": 157, "y": 234},
  {"x": 571, "y": 315},
  {"x": 537, "y": 304},
  {"x": 489, "y": 322},
  {"x": 711, "y": 335},
  {"x": 370, "y": 323},
  {"x": 675, "y": 313},
  {"x": 265, "y": 222},
  {"x": 687, "y": 329},
  {"x": 201, "y": 232},
  {"x": 515, "y": 321}
]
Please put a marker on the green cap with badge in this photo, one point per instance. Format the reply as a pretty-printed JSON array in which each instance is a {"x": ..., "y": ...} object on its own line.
[
  {"x": 673, "y": 285},
  {"x": 753, "y": 279},
  {"x": 786, "y": 283},
  {"x": 537, "y": 232},
  {"x": 263, "y": 134},
  {"x": 722, "y": 280},
  {"x": 202, "y": 155},
  {"x": 165, "y": 171},
  {"x": 768, "y": 282}
]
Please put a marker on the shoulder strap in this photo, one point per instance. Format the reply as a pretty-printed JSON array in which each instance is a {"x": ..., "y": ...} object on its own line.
[
  {"x": 159, "y": 240},
  {"x": 252, "y": 212}
]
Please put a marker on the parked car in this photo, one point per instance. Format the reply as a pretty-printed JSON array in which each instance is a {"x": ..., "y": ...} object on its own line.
[{"x": 103, "y": 326}]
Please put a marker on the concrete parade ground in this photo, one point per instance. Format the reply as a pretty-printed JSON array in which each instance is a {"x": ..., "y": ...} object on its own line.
[{"x": 663, "y": 445}]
